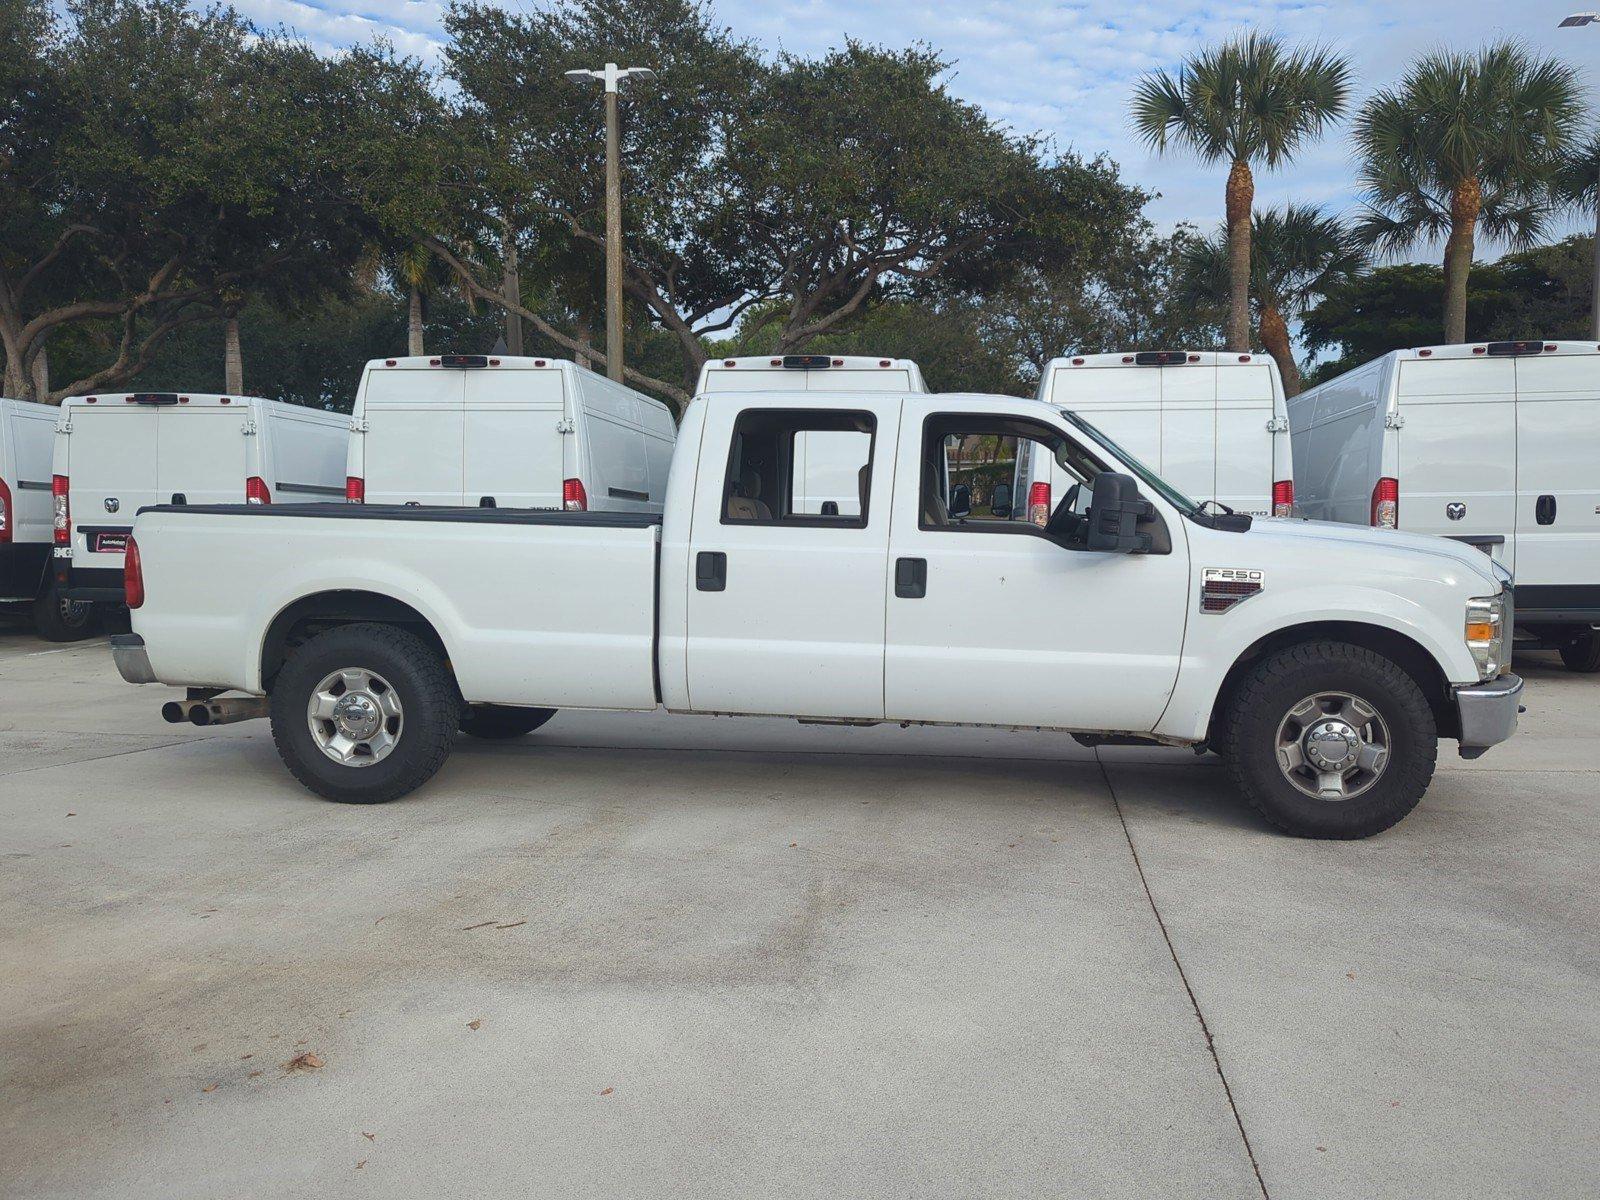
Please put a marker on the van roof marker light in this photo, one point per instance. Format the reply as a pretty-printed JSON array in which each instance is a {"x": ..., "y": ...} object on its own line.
[
  {"x": 1194, "y": 358},
  {"x": 1077, "y": 362},
  {"x": 883, "y": 362},
  {"x": 729, "y": 362},
  {"x": 776, "y": 362},
  {"x": 1244, "y": 358},
  {"x": 388, "y": 362},
  {"x": 1424, "y": 353}
]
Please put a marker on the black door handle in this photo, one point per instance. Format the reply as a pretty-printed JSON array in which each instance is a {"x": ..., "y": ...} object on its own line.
[
  {"x": 711, "y": 571},
  {"x": 911, "y": 578},
  {"x": 1544, "y": 510},
  {"x": 179, "y": 498},
  {"x": 485, "y": 501}
]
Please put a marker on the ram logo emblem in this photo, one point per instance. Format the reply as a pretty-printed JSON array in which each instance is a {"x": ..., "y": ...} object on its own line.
[
  {"x": 1455, "y": 510},
  {"x": 112, "y": 504}
]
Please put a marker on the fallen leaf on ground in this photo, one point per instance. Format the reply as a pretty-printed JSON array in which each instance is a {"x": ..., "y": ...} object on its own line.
[
  {"x": 361, "y": 1164},
  {"x": 511, "y": 925},
  {"x": 254, "y": 1075},
  {"x": 305, "y": 1062},
  {"x": 242, "y": 1057},
  {"x": 371, "y": 1137},
  {"x": 201, "y": 1046},
  {"x": 474, "y": 1024},
  {"x": 605, "y": 1091},
  {"x": 212, "y": 1088}
]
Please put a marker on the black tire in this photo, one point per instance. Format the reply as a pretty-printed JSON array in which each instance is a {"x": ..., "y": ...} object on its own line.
[
  {"x": 498, "y": 722},
  {"x": 61, "y": 620},
  {"x": 1582, "y": 653},
  {"x": 1262, "y": 704},
  {"x": 431, "y": 709}
]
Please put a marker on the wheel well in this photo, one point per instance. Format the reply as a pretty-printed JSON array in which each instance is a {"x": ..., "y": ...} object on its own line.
[
  {"x": 311, "y": 615},
  {"x": 1408, "y": 654}
]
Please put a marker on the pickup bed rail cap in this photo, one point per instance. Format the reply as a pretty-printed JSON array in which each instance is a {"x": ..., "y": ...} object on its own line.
[{"x": 408, "y": 512}]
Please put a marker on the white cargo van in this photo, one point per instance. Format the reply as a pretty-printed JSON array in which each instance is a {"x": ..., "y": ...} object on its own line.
[
  {"x": 27, "y": 434},
  {"x": 824, "y": 465},
  {"x": 810, "y": 373},
  {"x": 116, "y": 453},
  {"x": 1213, "y": 424},
  {"x": 503, "y": 432},
  {"x": 1494, "y": 444}
]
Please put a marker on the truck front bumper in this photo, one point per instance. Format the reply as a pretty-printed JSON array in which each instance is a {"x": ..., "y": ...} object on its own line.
[
  {"x": 133, "y": 664},
  {"x": 1488, "y": 713}
]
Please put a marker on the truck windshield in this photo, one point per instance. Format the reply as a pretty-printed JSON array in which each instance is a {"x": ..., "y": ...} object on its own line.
[{"x": 1169, "y": 493}]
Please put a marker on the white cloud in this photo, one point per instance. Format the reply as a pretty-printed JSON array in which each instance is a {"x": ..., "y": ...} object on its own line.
[{"x": 1067, "y": 70}]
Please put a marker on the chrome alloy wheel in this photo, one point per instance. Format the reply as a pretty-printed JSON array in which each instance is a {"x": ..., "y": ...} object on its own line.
[
  {"x": 355, "y": 717},
  {"x": 1333, "y": 746}
]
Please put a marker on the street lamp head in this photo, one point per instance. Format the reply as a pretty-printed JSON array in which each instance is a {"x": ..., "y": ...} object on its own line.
[
  {"x": 643, "y": 74},
  {"x": 1577, "y": 20},
  {"x": 580, "y": 76}
]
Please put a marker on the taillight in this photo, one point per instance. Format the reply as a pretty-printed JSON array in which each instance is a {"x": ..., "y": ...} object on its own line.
[
  {"x": 573, "y": 497},
  {"x": 1386, "y": 504},
  {"x": 1283, "y": 498},
  {"x": 355, "y": 489},
  {"x": 132, "y": 575},
  {"x": 255, "y": 491},
  {"x": 1039, "y": 503},
  {"x": 5, "y": 513},
  {"x": 63, "y": 510}
]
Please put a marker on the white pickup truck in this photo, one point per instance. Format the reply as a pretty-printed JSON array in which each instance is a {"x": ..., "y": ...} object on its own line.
[{"x": 1321, "y": 662}]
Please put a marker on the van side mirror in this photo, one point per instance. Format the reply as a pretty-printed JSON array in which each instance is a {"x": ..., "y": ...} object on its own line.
[
  {"x": 1115, "y": 510},
  {"x": 1000, "y": 501},
  {"x": 960, "y": 501}
]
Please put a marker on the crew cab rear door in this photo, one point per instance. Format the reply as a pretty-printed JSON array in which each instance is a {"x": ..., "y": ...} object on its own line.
[{"x": 786, "y": 584}]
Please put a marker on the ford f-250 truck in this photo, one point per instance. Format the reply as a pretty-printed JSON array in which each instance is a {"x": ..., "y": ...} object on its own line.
[{"x": 1321, "y": 662}]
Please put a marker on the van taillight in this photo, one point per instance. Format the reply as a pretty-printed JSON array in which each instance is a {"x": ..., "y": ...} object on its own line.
[
  {"x": 132, "y": 575},
  {"x": 63, "y": 510},
  {"x": 573, "y": 497},
  {"x": 5, "y": 513},
  {"x": 255, "y": 491},
  {"x": 1039, "y": 503},
  {"x": 1283, "y": 498},
  {"x": 1386, "y": 504},
  {"x": 355, "y": 489}
]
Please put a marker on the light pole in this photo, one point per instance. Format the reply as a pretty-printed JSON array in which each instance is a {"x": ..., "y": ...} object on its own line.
[
  {"x": 1579, "y": 21},
  {"x": 613, "y": 78}
]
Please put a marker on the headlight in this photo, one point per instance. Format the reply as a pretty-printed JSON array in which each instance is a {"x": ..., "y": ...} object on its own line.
[{"x": 1486, "y": 633}]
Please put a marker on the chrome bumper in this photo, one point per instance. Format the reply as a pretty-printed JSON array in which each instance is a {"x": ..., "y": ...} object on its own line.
[
  {"x": 133, "y": 664},
  {"x": 1488, "y": 713}
]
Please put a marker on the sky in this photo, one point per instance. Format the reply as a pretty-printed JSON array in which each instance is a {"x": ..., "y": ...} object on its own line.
[{"x": 1067, "y": 70}]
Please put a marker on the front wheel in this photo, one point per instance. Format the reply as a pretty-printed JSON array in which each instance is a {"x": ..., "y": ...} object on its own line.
[
  {"x": 1330, "y": 740},
  {"x": 61, "y": 620},
  {"x": 1582, "y": 653},
  {"x": 363, "y": 714},
  {"x": 497, "y": 722}
]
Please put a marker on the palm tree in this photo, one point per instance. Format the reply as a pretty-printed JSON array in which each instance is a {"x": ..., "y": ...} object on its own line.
[
  {"x": 1465, "y": 140},
  {"x": 1249, "y": 100},
  {"x": 1298, "y": 254},
  {"x": 1578, "y": 184}
]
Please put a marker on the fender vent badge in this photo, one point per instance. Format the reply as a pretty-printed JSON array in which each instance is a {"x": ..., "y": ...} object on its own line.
[{"x": 1223, "y": 587}]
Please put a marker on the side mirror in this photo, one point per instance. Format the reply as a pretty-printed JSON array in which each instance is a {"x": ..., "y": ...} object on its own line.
[
  {"x": 960, "y": 504},
  {"x": 1115, "y": 510},
  {"x": 1000, "y": 501}
]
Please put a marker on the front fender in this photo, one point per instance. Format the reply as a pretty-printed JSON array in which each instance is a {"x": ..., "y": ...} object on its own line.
[{"x": 1213, "y": 643}]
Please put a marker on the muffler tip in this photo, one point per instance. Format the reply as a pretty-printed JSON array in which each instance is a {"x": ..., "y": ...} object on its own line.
[
  {"x": 200, "y": 714},
  {"x": 173, "y": 712}
]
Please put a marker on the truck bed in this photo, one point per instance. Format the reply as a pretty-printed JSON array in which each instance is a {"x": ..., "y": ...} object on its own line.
[{"x": 533, "y": 606}]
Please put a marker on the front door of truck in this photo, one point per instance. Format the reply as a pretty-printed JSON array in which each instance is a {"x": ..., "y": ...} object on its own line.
[
  {"x": 989, "y": 620},
  {"x": 787, "y": 567}
]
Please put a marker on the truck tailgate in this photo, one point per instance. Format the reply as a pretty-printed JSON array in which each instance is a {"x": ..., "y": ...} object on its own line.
[{"x": 549, "y": 609}]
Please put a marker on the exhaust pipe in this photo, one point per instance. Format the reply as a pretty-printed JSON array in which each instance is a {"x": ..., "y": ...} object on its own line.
[
  {"x": 222, "y": 711},
  {"x": 228, "y": 710}
]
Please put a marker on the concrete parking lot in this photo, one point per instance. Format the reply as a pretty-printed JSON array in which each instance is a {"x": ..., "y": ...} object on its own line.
[{"x": 654, "y": 956}]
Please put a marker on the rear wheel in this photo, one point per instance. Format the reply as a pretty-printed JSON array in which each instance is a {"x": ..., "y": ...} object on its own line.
[
  {"x": 1582, "y": 653},
  {"x": 61, "y": 620},
  {"x": 364, "y": 714},
  {"x": 1330, "y": 740},
  {"x": 497, "y": 722}
]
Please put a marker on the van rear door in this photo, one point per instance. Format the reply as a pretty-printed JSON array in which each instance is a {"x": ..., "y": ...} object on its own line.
[
  {"x": 1246, "y": 440},
  {"x": 1456, "y": 467},
  {"x": 200, "y": 454},
  {"x": 512, "y": 440},
  {"x": 412, "y": 447},
  {"x": 1188, "y": 428},
  {"x": 112, "y": 474},
  {"x": 1558, "y": 478}
]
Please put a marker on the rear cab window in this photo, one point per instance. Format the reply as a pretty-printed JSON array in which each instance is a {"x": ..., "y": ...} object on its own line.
[{"x": 800, "y": 467}]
